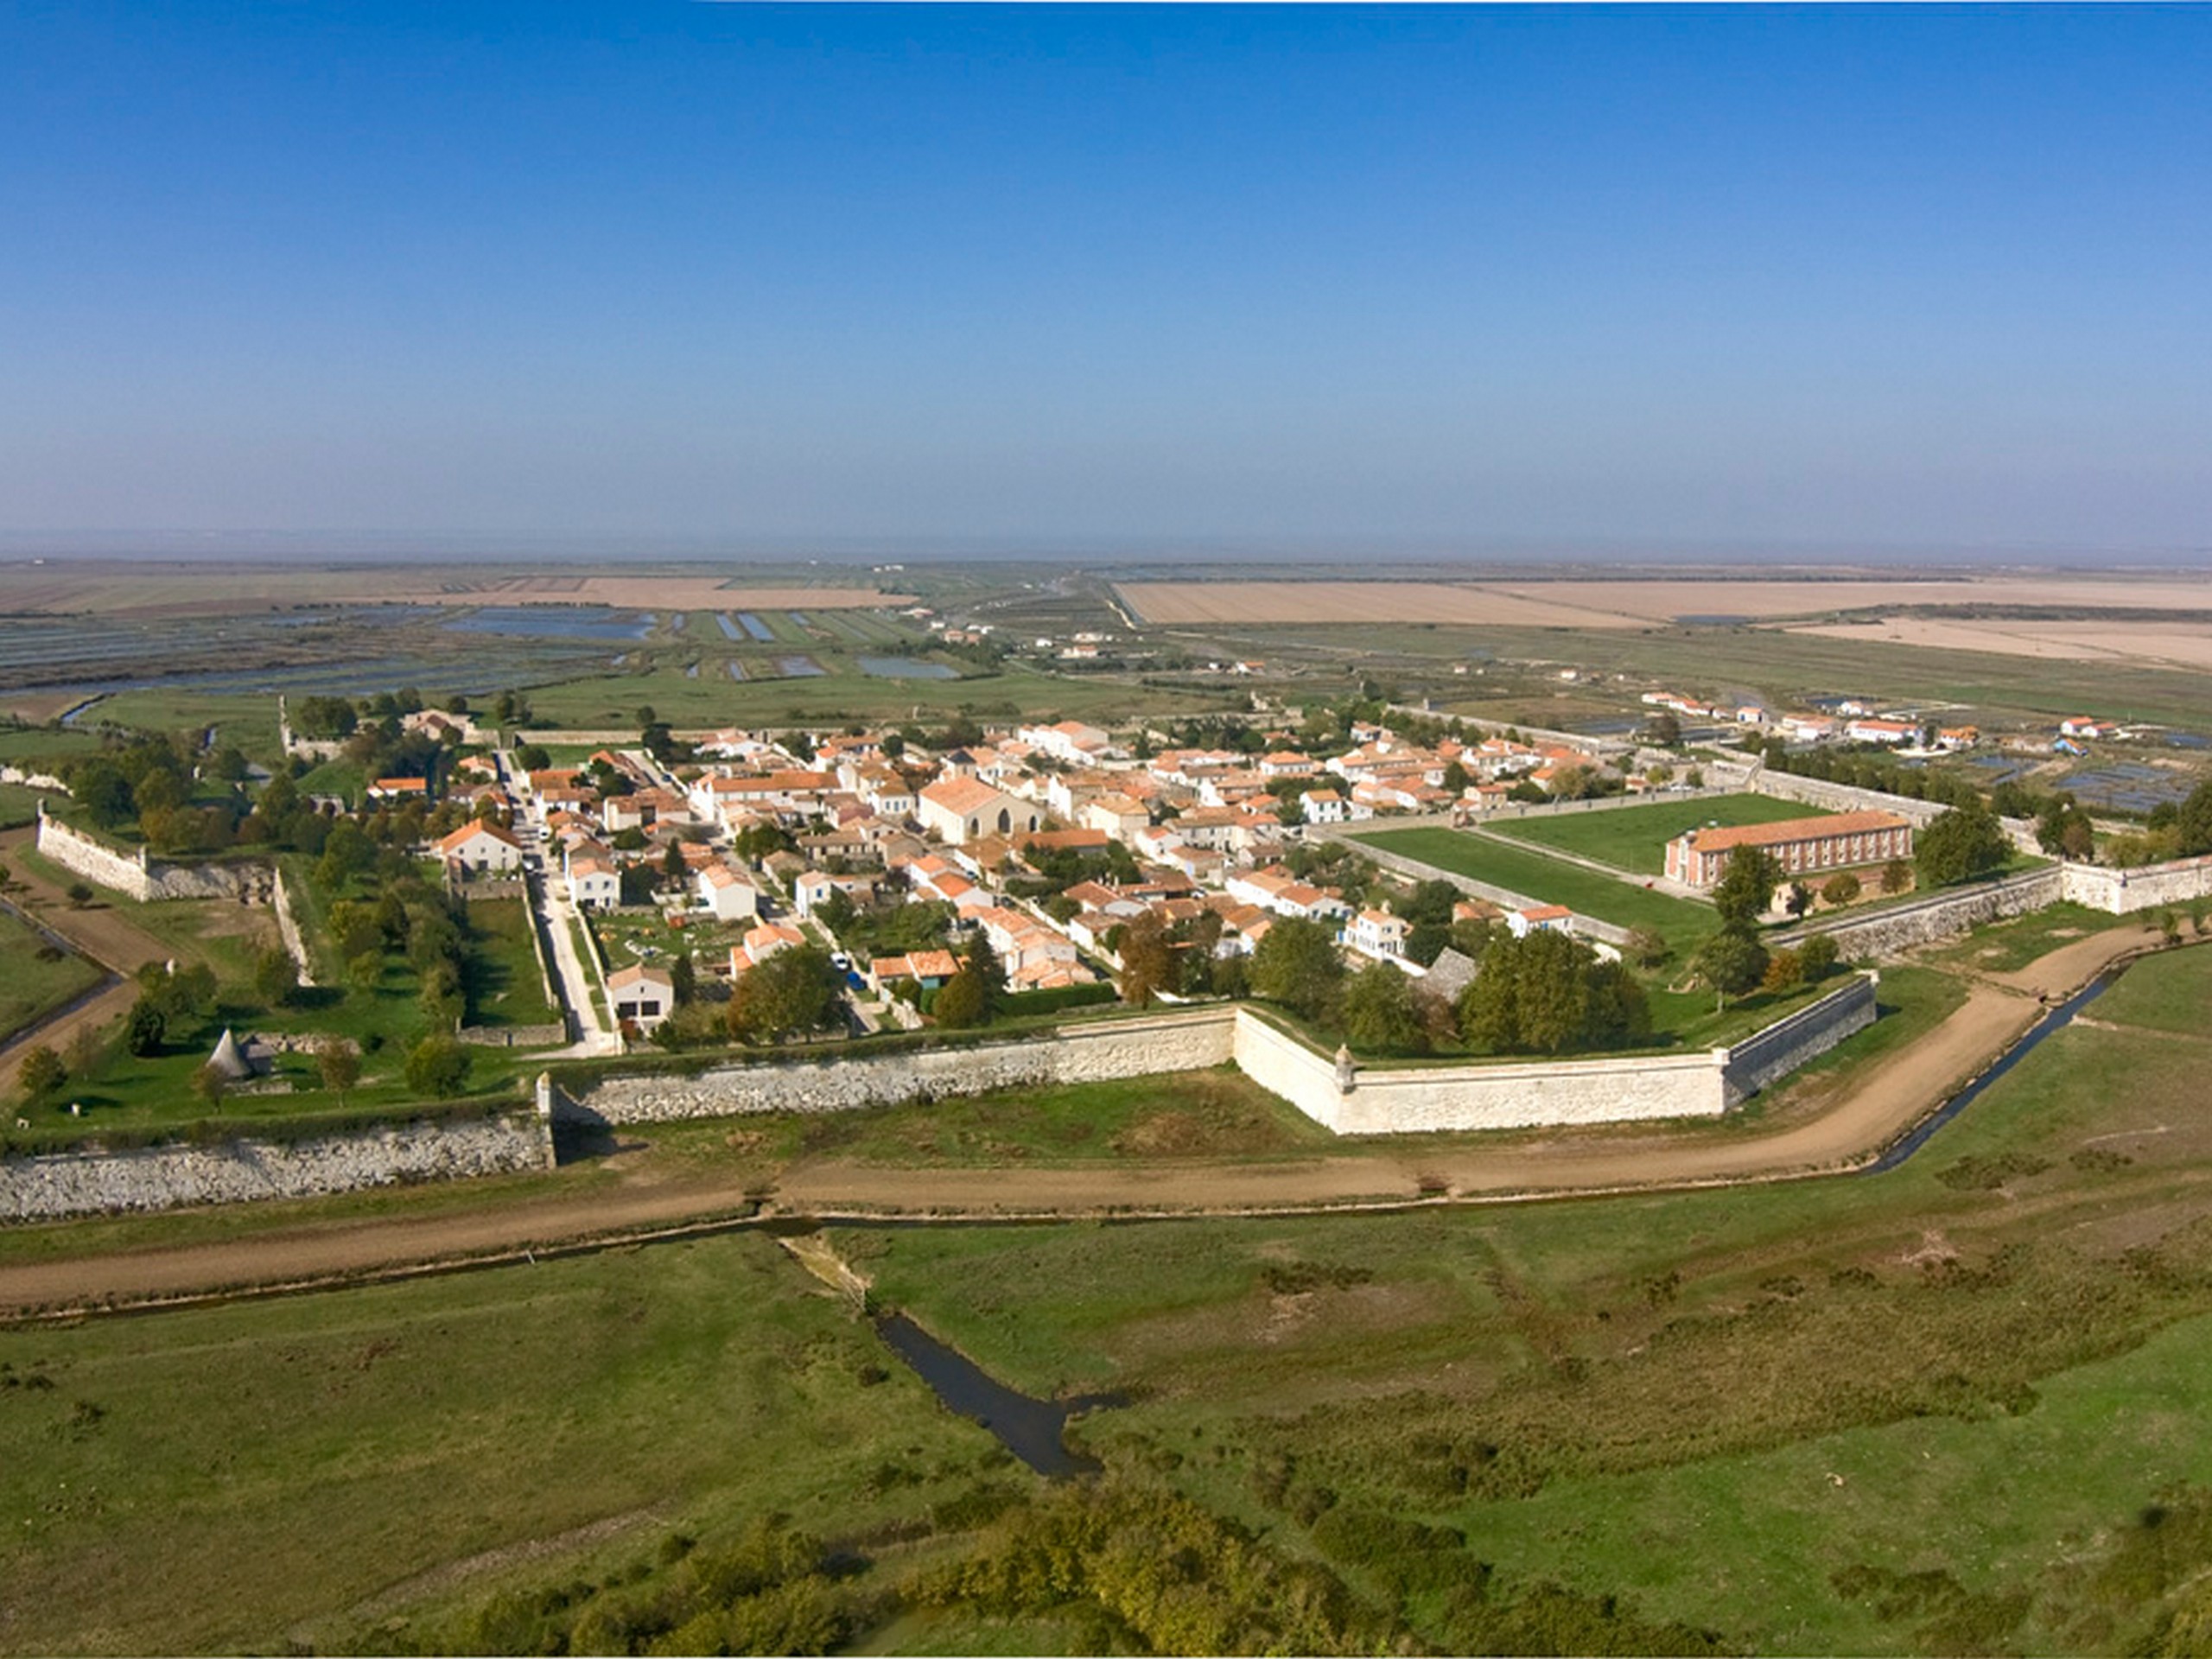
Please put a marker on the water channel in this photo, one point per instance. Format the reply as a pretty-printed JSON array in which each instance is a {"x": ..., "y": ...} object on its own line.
[
  {"x": 2056, "y": 1020},
  {"x": 1032, "y": 1429}
]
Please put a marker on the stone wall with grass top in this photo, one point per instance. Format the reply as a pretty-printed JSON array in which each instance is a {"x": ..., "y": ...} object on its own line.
[
  {"x": 1093, "y": 1053},
  {"x": 53, "y": 1186},
  {"x": 2151, "y": 887},
  {"x": 148, "y": 879}
]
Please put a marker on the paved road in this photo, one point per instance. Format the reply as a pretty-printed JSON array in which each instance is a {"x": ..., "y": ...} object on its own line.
[{"x": 552, "y": 914}]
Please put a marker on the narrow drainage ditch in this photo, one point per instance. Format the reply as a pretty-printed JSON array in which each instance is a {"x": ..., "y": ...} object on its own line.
[
  {"x": 1034, "y": 1430},
  {"x": 2056, "y": 1020}
]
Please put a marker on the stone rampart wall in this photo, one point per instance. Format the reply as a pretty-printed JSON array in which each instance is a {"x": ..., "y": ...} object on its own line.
[
  {"x": 514, "y": 1036},
  {"x": 288, "y": 927},
  {"x": 1944, "y": 916},
  {"x": 163, "y": 1178},
  {"x": 1119, "y": 1048},
  {"x": 2122, "y": 892},
  {"x": 1512, "y": 811},
  {"x": 1535, "y": 1094},
  {"x": 1500, "y": 1096},
  {"x": 144, "y": 879},
  {"x": 94, "y": 860},
  {"x": 1768, "y": 1056}
]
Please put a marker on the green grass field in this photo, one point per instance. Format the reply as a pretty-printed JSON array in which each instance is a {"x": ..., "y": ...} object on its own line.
[
  {"x": 1634, "y": 838},
  {"x": 18, "y": 805},
  {"x": 33, "y": 987},
  {"x": 504, "y": 984},
  {"x": 1956, "y": 1407},
  {"x": 1708, "y": 1404},
  {"x": 43, "y": 749},
  {"x": 247, "y": 719},
  {"x": 713, "y": 699},
  {"x": 236, "y": 1478},
  {"x": 1683, "y": 924}
]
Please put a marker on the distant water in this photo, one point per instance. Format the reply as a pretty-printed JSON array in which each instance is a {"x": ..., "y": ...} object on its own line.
[{"x": 555, "y": 622}]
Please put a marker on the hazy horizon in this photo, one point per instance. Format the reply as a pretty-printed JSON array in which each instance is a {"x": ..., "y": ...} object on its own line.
[{"x": 251, "y": 546}]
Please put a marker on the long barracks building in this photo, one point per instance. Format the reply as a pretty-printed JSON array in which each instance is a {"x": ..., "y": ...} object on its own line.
[{"x": 1800, "y": 845}]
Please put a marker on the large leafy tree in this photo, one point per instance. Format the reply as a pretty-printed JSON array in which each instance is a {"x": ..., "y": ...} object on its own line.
[
  {"x": 982, "y": 964},
  {"x": 1732, "y": 962},
  {"x": 2194, "y": 823},
  {"x": 1148, "y": 964},
  {"x": 792, "y": 991},
  {"x": 1549, "y": 994},
  {"x": 1297, "y": 965},
  {"x": 1745, "y": 887},
  {"x": 1380, "y": 1013},
  {"x": 438, "y": 1065},
  {"x": 1963, "y": 843}
]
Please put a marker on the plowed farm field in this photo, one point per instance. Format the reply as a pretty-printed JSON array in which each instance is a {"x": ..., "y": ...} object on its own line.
[{"x": 1639, "y": 603}]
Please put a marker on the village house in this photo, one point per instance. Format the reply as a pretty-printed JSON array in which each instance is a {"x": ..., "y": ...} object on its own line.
[
  {"x": 643, "y": 996},
  {"x": 1874, "y": 730},
  {"x": 960, "y": 810},
  {"x": 728, "y": 894},
  {"x": 1071, "y": 740},
  {"x": 480, "y": 846},
  {"x": 927, "y": 968},
  {"x": 1377, "y": 933},
  {"x": 1330, "y": 806},
  {"x": 761, "y": 942},
  {"x": 1539, "y": 919},
  {"x": 593, "y": 883},
  {"x": 813, "y": 889},
  {"x": 1278, "y": 890}
]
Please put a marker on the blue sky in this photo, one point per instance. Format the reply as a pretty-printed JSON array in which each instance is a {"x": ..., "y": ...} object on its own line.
[{"x": 1393, "y": 276}]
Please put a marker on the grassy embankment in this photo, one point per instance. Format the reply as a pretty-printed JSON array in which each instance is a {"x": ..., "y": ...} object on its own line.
[
  {"x": 40, "y": 748},
  {"x": 1757, "y": 1411},
  {"x": 18, "y": 805},
  {"x": 1922, "y": 1412},
  {"x": 35, "y": 984}
]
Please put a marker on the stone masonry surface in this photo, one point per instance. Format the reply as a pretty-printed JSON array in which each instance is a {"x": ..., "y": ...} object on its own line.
[
  {"x": 163, "y": 1178},
  {"x": 1124, "y": 1048}
]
